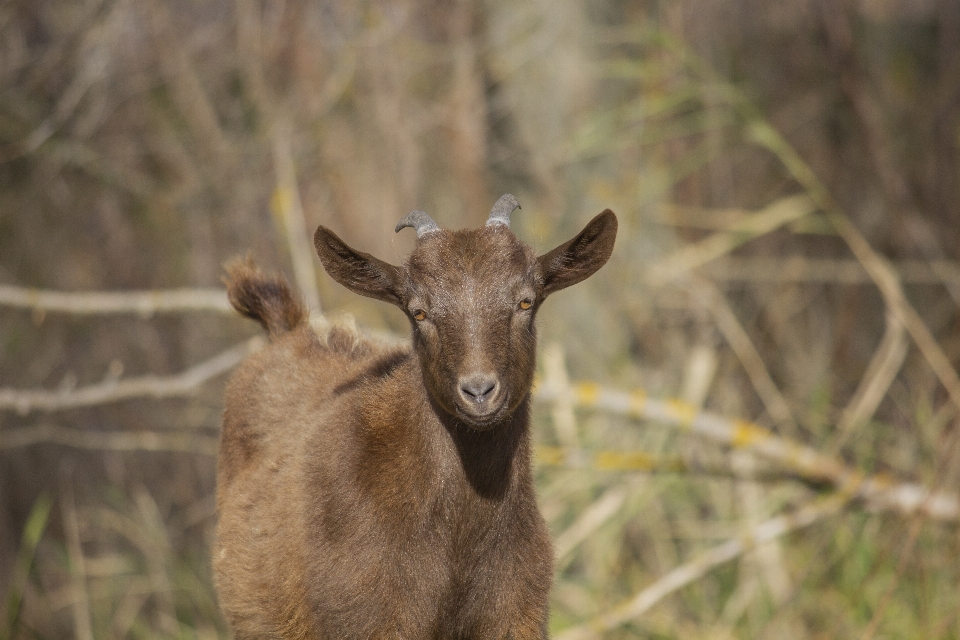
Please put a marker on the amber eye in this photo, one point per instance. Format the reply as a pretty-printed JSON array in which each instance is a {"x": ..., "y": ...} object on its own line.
[
  {"x": 419, "y": 315},
  {"x": 526, "y": 304}
]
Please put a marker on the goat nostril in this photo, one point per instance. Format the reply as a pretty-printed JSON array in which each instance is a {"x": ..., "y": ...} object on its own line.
[{"x": 478, "y": 388}]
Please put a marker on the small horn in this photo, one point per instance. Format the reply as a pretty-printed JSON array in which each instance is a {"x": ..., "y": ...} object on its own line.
[
  {"x": 420, "y": 221},
  {"x": 500, "y": 214}
]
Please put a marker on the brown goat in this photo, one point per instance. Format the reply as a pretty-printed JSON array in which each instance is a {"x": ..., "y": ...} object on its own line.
[{"x": 373, "y": 492}]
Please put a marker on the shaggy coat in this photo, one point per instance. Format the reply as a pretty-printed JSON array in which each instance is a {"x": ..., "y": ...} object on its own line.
[{"x": 367, "y": 491}]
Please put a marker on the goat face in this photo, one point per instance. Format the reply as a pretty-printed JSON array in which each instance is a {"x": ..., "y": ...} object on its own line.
[{"x": 471, "y": 297}]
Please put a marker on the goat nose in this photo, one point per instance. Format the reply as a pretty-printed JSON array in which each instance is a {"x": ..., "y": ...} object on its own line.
[{"x": 478, "y": 387}]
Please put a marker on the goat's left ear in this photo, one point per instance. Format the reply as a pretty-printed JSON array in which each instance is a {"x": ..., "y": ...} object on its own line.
[
  {"x": 358, "y": 271},
  {"x": 581, "y": 257}
]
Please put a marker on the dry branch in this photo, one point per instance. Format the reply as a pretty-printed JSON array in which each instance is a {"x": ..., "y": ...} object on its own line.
[
  {"x": 738, "y": 339},
  {"x": 612, "y": 460},
  {"x": 182, "y": 384},
  {"x": 555, "y": 375},
  {"x": 897, "y": 302},
  {"x": 152, "y": 441},
  {"x": 686, "y": 573},
  {"x": 801, "y": 269},
  {"x": 288, "y": 208},
  {"x": 880, "y": 374},
  {"x": 806, "y": 462},
  {"x": 880, "y": 271},
  {"x": 878, "y": 491},
  {"x": 775, "y": 215},
  {"x": 589, "y": 520},
  {"x": 762, "y": 133},
  {"x": 145, "y": 303}
]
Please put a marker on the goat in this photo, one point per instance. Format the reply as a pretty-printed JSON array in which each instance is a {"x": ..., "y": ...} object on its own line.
[{"x": 386, "y": 492}]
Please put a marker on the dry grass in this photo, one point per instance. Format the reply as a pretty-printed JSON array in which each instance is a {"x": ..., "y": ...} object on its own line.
[{"x": 764, "y": 442}]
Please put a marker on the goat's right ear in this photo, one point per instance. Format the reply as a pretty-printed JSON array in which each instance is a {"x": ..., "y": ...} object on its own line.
[{"x": 358, "y": 271}]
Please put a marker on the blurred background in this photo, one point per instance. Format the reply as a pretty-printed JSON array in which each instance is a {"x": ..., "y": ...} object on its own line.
[{"x": 786, "y": 180}]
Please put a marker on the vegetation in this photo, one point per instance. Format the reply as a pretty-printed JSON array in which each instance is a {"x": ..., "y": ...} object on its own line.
[{"x": 785, "y": 179}]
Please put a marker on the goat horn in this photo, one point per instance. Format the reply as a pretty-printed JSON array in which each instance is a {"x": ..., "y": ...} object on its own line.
[
  {"x": 420, "y": 221},
  {"x": 502, "y": 208}
]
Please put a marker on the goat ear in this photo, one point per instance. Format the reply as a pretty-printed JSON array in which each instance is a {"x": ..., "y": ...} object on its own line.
[
  {"x": 581, "y": 257},
  {"x": 358, "y": 271}
]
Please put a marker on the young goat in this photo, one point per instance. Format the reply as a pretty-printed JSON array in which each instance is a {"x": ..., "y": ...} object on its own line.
[{"x": 372, "y": 492}]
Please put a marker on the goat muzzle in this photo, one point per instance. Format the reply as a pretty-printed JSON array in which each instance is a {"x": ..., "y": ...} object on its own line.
[{"x": 480, "y": 398}]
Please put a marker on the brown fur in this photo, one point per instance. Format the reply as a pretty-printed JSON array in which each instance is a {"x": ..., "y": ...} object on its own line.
[
  {"x": 269, "y": 301},
  {"x": 363, "y": 492}
]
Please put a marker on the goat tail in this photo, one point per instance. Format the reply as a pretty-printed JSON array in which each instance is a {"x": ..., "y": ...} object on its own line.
[{"x": 268, "y": 300}]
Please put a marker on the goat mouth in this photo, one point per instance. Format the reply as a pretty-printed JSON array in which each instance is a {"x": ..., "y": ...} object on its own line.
[{"x": 482, "y": 416}]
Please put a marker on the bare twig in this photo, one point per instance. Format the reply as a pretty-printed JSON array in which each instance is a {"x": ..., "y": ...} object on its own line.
[
  {"x": 800, "y": 268},
  {"x": 898, "y": 304},
  {"x": 878, "y": 491},
  {"x": 804, "y": 461},
  {"x": 287, "y": 207},
  {"x": 772, "y": 217},
  {"x": 182, "y": 384},
  {"x": 145, "y": 303},
  {"x": 766, "y": 562},
  {"x": 738, "y": 339},
  {"x": 877, "y": 137},
  {"x": 555, "y": 375},
  {"x": 699, "y": 374},
  {"x": 108, "y": 440},
  {"x": 883, "y": 276},
  {"x": 685, "y": 574},
  {"x": 589, "y": 520},
  {"x": 761, "y": 132},
  {"x": 678, "y": 265},
  {"x": 880, "y": 373},
  {"x": 186, "y": 88}
]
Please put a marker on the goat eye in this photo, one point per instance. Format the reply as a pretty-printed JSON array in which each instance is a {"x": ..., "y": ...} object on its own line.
[
  {"x": 419, "y": 314},
  {"x": 526, "y": 304}
]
